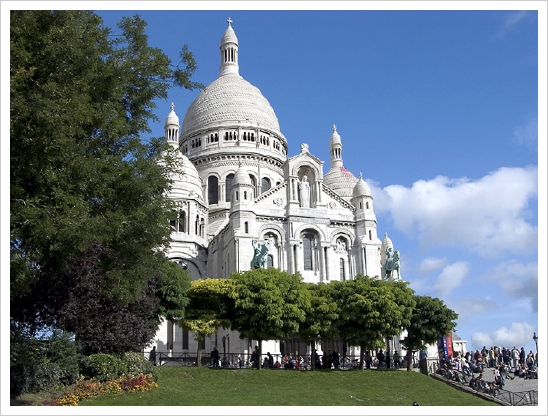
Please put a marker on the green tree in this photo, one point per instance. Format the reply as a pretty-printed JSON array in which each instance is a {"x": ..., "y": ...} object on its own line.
[
  {"x": 81, "y": 98},
  {"x": 172, "y": 291},
  {"x": 369, "y": 311},
  {"x": 430, "y": 319},
  {"x": 321, "y": 314},
  {"x": 206, "y": 311},
  {"x": 267, "y": 304}
]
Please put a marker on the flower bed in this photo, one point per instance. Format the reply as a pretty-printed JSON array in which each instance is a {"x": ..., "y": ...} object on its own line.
[{"x": 87, "y": 389}]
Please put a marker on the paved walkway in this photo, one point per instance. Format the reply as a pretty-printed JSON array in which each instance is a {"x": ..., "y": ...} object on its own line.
[{"x": 516, "y": 385}]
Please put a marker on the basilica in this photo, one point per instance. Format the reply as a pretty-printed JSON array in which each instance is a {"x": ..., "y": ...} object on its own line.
[{"x": 239, "y": 193}]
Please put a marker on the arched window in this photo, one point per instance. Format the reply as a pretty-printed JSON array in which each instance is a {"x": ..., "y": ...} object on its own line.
[
  {"x": 307, "y": 251},
  {"x": 366, "y": 205},
  {"x": 269, "y": 261},
  {"x": 246, "y": 227},
  {"x": 254, "y": 183},
  {"x": 173, "y": 224},
  {"x": 196, "y": 224},
  {"x": 265, "y": 185},
  {"x": 228, "y": 183},
  {"x": 213, "y": 190},
  {"x": 370, "y": 234},
  {"x": 342, "y": 272},
  {"x": 182, "y": 221}
]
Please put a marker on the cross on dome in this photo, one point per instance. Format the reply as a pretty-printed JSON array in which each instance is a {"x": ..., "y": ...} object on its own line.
[
  {"x": 334, "y": 128},
  {"x": 172, "y": 106},
  {"x": 229, "y": 20},
  {"x": 361, "y": 177}
]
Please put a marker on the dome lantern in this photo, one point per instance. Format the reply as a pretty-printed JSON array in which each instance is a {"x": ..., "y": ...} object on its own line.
[{"x": 229, "y": 51}]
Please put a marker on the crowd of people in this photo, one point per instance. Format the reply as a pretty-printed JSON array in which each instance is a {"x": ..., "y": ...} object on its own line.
[{"x": 506, "y": 364}]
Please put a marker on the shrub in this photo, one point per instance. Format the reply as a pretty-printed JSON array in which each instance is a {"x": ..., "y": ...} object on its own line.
[
  {"x": 102, "y": 367},
  {"x": 41, "y": 362},
  {"x": 137, "y": 364}
]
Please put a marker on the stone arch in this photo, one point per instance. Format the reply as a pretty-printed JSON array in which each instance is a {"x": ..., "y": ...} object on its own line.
[
  {"x": 195, "y": 269},
  {"x": 314, "y": 227}
]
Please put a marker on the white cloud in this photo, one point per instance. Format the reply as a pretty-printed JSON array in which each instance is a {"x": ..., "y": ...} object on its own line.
[
  {"x": 514, "y": 18},
  {"x": 471, "y": 307},
  {"x": 527, "y": 134},
  {"x": 518, "y": 335},
  {"x": 431, "y": 264},
  {"x": 487, "y": 215},
  {"x": 451, "y": 277},
  {"x": 510, "y": 21},
  {"x": 517, "y": 280}
]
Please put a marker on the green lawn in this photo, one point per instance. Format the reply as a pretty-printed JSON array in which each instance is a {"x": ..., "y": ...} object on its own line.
[{"x": 190, "y": 386}]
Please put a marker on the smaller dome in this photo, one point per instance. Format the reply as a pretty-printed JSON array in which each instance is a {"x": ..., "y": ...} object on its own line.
[
  {"x": 341, "y": 180},
  {"x": 229, "y": 36},
  {"x": 187, "y": 183},
  {"x": 386, "y": 242},
  {"x": 361, "y": 188},
  {"x": 172, "y": 119},
  {"x": 241, "y": 177}
]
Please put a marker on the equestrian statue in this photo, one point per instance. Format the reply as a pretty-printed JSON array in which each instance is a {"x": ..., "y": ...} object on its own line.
[{"x": 391, "y": 265}]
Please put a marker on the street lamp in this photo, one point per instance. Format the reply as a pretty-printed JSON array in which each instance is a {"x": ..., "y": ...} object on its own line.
[
  {"x": 535, "y": 338},
  {"x": 228, "y": 342}
]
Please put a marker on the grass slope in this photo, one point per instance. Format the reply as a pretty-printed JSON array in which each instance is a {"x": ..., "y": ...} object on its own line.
[{"x": 190, "y": 386}]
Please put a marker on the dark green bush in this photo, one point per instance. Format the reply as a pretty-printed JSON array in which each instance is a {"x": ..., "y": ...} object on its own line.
[
  {"x": 39, "y": 362},
  {"x": 102, "y": 367}
]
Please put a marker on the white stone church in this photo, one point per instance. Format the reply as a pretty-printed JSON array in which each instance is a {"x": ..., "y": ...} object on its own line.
[{"x": 240, "y": 189}]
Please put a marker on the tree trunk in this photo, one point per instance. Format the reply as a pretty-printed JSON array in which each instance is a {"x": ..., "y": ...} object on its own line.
[
  {"x": 312, "y": 355},
  {"x": 362, "y": 355},
  {"x": 199, "y": 355},
  {"x": 260, "y": 357},
  {"x": 409, "y": 359}
]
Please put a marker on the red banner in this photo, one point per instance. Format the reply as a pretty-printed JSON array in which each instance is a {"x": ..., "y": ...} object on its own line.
[{"x": 449, "y": 338}]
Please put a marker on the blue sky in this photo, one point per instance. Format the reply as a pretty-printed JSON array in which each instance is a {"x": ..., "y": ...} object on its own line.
[{"x": 437, "y": 110}]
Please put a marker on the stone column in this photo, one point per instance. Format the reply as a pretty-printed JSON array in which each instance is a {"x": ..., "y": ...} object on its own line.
[
  {"x": 322, "y": 264},
  {"x": 328, "y": 261}
]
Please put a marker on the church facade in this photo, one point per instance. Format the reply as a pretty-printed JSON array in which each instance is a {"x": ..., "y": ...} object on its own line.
[{"x": 240, "y": 193}]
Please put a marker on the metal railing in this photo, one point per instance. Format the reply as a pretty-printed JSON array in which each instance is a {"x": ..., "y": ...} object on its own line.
[
  {"x": 522, "y": 398},
  {"x": 242, "y": 360}
]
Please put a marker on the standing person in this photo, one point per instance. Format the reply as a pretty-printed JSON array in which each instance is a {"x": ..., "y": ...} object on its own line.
[
  {"x": 387, "y": 358},
  {"x": 396, "y": 360},
  {"x": 152, "y": 355},
  {"x": 368, "y": 360},
  {"x": 255, "y": 357},
  {"x": 336, "y": 359},
  {"x": 522, "y": 356},
  {"x": 215, "y": 357},
  {"x": 491, "y": 357},
  {"x": 270, "y": 360},
  {"x": 515, "y": 357}
]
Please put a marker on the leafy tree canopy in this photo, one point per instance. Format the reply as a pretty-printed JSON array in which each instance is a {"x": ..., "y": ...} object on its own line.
[
  {"x": 81, "y": 99},
  {"x": 267, "y": 303},
  {"x": 430, "y": 319}
]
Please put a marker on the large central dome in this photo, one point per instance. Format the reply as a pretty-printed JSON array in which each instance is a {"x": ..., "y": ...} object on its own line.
[{"x": 228, "y": 100}]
